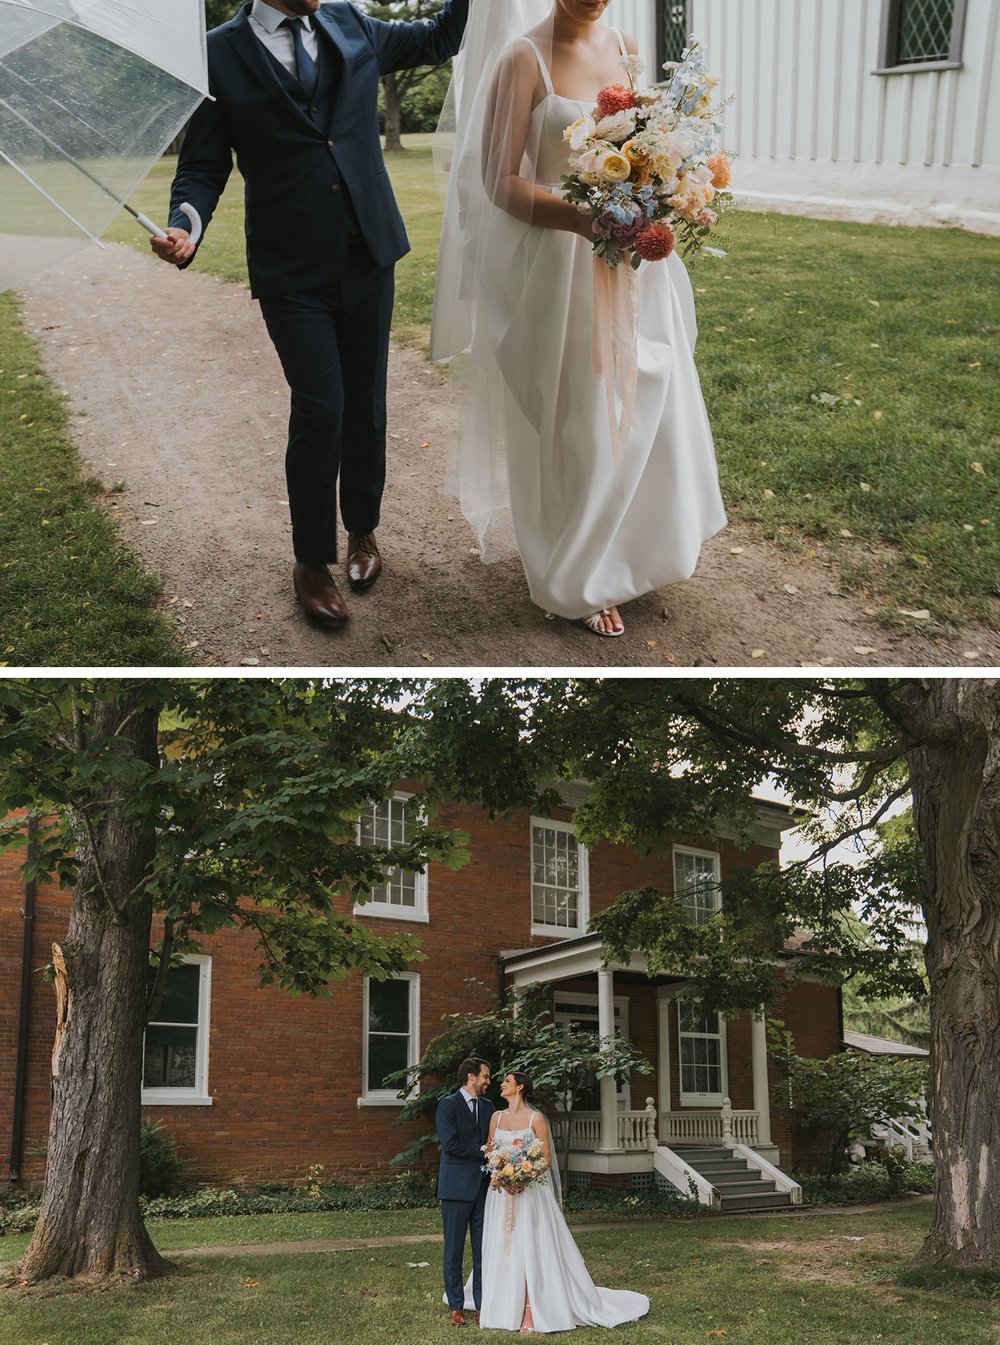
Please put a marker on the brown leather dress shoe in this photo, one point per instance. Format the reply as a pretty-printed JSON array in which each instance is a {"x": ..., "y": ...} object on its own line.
[
  {"x": 317, "y": 592},
  {"x": 457, "y": 1318},
  {"x": 364, "y": 564}
]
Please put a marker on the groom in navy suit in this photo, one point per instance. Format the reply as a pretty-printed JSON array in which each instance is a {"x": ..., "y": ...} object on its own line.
[
  {"x": 295, "y": 90},
  {"x": 463, "y": 1125}
]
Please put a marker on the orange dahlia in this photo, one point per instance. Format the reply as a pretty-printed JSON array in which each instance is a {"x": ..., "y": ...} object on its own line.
[
  {"x": 655, "y": 243},
  {"x": 614, "y": 98}
]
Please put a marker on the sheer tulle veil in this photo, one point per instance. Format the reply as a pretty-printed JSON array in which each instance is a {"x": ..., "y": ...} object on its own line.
[{"x": 485, "y": 257}]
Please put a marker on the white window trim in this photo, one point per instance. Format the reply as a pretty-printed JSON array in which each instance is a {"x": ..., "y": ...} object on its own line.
[
  {"x": 198, "y": 1096},
  {"x": 713, "y": 855},
  {"x": 583, "y": 869},
  {"x": 889, "y": 29},
  {"x": 703, "y": 1099},
  {"x": 384, "y": 1097},
  {"x": 382, "y": 910},
  {"x": 624, "y": 1093}
]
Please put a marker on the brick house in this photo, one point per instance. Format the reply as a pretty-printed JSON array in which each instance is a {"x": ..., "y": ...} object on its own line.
[{"x": 257, "y": 1085}]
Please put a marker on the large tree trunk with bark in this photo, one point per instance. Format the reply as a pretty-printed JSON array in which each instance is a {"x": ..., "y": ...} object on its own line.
[
  {"x": 956, "y": 788},
  {"x": 90, "y": 1225},
  {"x": 393, "y": 101}
]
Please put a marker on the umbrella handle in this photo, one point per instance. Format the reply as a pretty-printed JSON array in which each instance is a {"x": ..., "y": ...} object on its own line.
[{"x": 194, "y": 219}]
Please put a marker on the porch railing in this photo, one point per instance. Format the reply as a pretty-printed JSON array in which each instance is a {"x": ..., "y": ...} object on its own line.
[
  {"x": 580, "y": 1131},
  {"x": 720, "y": 1126}
]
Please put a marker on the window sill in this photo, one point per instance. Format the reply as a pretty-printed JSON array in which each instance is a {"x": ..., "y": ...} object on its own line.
[
  {"x": 380, "y": 1102},
  {"x": 393, "y": 913},
  {"x": 167, "y": 1098},
  {"x": 555, "y": 932},
  {"x": 917, "y": 67}
]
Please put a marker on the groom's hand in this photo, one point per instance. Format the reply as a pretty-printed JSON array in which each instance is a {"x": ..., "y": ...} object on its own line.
[{"x": 175, "y": 248}]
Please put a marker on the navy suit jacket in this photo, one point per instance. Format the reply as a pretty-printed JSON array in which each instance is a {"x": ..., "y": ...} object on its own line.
[
  {"x": 460, "y": 1174},
  {"x": 289, "y": 164}
]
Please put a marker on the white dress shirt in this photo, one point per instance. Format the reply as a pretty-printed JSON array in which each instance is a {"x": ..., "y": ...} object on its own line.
[
  {"x": 266, "y": 21},
  {"x": 470, "y": 1099}
]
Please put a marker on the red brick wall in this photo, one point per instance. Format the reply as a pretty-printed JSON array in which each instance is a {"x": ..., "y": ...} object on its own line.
[{"x": 285, "y": 1072}]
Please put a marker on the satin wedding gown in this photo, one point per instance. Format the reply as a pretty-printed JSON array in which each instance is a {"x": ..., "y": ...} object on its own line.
[
  {"x": 591, "y": 530},
  {"x": 531, "y": 1247}
]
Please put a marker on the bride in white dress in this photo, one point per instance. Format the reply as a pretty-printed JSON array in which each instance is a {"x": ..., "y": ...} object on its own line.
[
  {"x": 596, "y": 522},
  {"x": 534, "y": 1277}
]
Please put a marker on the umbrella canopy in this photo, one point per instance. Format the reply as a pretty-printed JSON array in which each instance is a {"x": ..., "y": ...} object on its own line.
[{"x": 91, "y": 94}]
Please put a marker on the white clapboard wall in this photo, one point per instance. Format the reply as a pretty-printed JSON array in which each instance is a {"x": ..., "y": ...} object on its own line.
[{"x": 816, "y": 131}]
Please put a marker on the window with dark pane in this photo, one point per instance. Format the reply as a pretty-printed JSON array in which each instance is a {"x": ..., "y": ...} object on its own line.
[
  {"x": 388, "y": 1031},
  {"x": 170, "y": 1049},
  {"x": 672, "y": 26},
  {"x": 925, "y": 30},
  {"x": 555, "y": 877},
  {"x": 696, "y": 885},
  {"x": 384, "y": 825}
]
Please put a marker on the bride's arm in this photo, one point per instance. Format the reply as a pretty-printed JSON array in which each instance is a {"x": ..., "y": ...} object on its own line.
[
  {"x": 541, "y": 1130},
  {"x": 493, "y": 1125},
  {"x": 505, "y": 138}
]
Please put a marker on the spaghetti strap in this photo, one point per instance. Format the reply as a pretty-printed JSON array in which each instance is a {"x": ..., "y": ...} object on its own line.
[
  {"x": 621, "y": 41},
  {"x": 542, "y": 66}
]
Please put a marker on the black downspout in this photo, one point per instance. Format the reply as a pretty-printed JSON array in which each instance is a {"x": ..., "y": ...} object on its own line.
[{"x": 28, "y": 915}]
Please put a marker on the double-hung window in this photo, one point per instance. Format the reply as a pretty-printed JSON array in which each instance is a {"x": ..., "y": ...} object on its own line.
[
  {"x": 921, "y": 33},
  {"x": 696, "y": 882},
  {"x": 175, "y": 1047},
  {"x": 559, "y": 886},
  {"x": 702, "y": 1056},
  {"x": 403, "y": 896},
  {"x": 390, "y": 1036}
]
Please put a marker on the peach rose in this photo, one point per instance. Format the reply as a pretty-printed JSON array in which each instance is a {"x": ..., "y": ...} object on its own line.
[{"x": 721, "y": 171}]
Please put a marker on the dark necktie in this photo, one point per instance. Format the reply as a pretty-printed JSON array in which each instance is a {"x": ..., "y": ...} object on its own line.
[
  {"x": 475, "y": 1111},
  {"x": 308, "y": 76}
]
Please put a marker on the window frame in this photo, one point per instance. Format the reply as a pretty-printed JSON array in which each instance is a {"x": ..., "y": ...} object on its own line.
[
  {"x": 384, "y": 1097},
  {"x": 583, "y": 875},
  {"x": 585, "y": 1000},
  {"x": 198, "y": 1096},
  {"x": 661, "y": 34},
  {"x": 701, "y": 853},
  {"x": 889, "y": 42},
  {"x": 703, "y": 1099},
  {"x": 383, "y": 910}
]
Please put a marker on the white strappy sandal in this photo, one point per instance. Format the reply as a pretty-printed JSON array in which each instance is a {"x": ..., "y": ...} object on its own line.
[{"x": 593, "y": 623}]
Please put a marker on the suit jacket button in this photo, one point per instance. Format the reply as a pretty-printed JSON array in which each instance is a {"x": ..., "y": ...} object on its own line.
[
  {"x": 329, "y": 144},
  {"x": 335, "y": 186}
]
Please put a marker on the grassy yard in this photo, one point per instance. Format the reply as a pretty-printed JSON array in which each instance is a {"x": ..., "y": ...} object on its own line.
[
  {"x": 69, "y": 593},
  {"x": 816, "y": 1280},
  {"x": 853, "y": 377}
]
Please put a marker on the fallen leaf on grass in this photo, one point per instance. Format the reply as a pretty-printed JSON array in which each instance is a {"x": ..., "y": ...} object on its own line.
[
  {"x": 978, "y": 468},
  {"x": 251, "y": 1284},
  {"x": 920, "y": 614},
  {"x": 417, "y": 1265}
]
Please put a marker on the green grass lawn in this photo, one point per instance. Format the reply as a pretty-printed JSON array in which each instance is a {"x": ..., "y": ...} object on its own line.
[
  {"x": 817, "y": 1280},
  {"x": 69, "y": 593},
  {"x": 852, "y": 374}
]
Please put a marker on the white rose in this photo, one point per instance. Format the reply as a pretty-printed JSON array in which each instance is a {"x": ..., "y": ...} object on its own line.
[{"x": 618, "y": 127}]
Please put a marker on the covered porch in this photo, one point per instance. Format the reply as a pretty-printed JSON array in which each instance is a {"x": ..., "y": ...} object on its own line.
[{"x": 667, "y": 1138}]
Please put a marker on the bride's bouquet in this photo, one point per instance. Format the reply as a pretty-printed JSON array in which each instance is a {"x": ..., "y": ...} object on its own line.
[
  {"x": 514, "y": 1166},
  {"x": 647, "y": 164}
]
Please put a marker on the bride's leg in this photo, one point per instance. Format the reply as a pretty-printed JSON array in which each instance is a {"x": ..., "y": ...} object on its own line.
[
  {"x": 605, "y": 622},
  {"x": 527, "y": 1323}
]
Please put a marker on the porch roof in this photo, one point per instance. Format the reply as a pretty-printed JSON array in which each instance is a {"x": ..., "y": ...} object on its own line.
[{"x": 861, "y": 1041}]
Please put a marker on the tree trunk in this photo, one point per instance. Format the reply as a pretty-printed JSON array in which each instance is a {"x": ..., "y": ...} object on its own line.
[
  {"x": 956, "y": 788},
  {"x": 90, "y": 1225},
  {"x": 393, "y": 113}
]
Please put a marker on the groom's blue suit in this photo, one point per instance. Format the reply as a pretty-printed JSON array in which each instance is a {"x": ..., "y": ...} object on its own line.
[
  {"x": 461, "y": 1189},
  {"x": 323, "y": 233}
]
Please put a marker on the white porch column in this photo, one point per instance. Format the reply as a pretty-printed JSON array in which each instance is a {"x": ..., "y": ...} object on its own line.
[
  {"x": 663, "y": 998},
  {"x": 761, "y": 1090},
  {"x": 606, "y": 1031}
]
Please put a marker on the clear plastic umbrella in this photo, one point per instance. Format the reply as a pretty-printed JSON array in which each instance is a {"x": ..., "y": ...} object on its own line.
[{"x": 91, "y": 94}]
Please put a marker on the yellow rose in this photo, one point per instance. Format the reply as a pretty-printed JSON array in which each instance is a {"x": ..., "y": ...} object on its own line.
[
  {"x": 634, "y": 153},
  {"x": 614, "y": 167},
  {"x": 508, "y": 1169}
]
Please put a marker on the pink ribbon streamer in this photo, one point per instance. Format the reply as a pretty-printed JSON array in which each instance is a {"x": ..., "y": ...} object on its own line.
[{"x": 615, "y": 358}]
